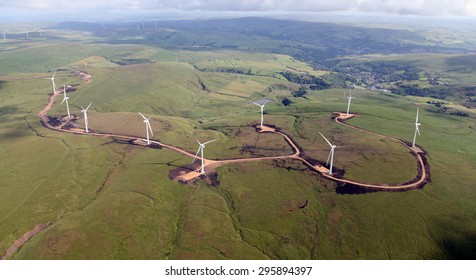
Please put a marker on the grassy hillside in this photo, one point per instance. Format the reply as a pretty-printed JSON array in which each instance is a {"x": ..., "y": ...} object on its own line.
[{"x": 112, "y": 200}]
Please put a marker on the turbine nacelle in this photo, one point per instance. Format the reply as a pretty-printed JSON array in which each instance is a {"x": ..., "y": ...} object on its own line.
[
  {"x": 85, "y": 110},
  {"x": 417, "y": 126}
]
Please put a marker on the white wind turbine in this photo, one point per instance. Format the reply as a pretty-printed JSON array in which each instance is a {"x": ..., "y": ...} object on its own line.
[
  {"x": 147, "y": 127},
  {"x": 417, "y": 129},
  {"x": 262, "y": 108},
  {"x": 65, "y": 99},
  {"x": 200, "y": 149},
  {"x": 53, "y": 82},
  {"x": 4, "y": 35},
  {"x": 85, "y": 111},
  {"x": 348, "y": 104},
  {"x": 331, "y": 154}
]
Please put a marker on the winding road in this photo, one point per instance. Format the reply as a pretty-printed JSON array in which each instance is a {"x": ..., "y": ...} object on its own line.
[{"x": 210, "y": 165}]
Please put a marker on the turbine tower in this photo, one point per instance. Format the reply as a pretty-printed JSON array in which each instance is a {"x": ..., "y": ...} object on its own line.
[
  {"x": 53, "y": 82},
  {"x": 331, "y": 154},
  {"x": 262, "y": 109},
  {"x": 200, "y": 149},
  {"x": 147, "y": 127},
  {"x": 348, "y": 104},
  {"x": 65, "y": 99},
  {"x": 85, "y": 111},
  {"x": 4, "y": 35},
  {"x": 417, "y": 130}
]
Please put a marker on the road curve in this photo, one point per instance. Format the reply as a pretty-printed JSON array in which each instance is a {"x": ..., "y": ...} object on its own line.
[{"x": 421, "y": 179}]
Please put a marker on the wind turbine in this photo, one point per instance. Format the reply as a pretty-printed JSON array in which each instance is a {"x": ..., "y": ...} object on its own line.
[
  {"x": 4, "y": 35},
  {"x": 53, "y": 81},
  {"x": 331, "y": 154},
  {"x": 147, "y": 127},
  {"x": 65, "y": 99},
  {"x": 348, "y": 104},
  {"x": 417, "y": 130},
  {"x": 85, "y": 111},
  {"x": 262, "y": 109},
  {"x": 200, "y": 149}
]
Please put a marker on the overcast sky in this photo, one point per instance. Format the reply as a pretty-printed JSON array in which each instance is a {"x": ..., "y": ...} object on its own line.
[{"x": 398, "y": 7}]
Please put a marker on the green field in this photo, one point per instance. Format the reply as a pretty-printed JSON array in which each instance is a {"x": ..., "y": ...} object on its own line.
[{"x": 111, "y": 200}]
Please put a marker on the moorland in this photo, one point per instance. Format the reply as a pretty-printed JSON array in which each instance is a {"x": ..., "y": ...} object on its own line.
[{"x": 100, "y": 198}]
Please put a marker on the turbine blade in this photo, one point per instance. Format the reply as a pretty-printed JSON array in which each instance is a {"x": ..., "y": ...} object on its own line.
[
  {"x": 267, "y": 100},
  {"x": 150, "y": 129},
  {"x": 326, "y": 139},
  {"x": 255, "y": 103},
  {"x": 417, "y": 111},
  {"x": 209, "y": 141},
  {"x": 198, "y": 151},
  {"x": 328, "y": 157},
  {"x": 142, "y": 116},
  {"x": 64, "y": 99},
  {"x": 197, "y": 141},
  {"x": 418, "y": 130},
  {"x": 89, "y": 106},
  {"x": 54, "y": 76}
]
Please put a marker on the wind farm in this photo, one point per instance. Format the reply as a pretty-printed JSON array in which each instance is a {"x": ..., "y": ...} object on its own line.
[{"x": 208, "y": 178}]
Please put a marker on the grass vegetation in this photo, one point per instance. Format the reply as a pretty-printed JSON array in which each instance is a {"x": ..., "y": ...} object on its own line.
[{"x": 111, "y": 200}]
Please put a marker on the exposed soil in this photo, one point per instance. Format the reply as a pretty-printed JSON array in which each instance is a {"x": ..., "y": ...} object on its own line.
[{"x": 24, "y": 239}]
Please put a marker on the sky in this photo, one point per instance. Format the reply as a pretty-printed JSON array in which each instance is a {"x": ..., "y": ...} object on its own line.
[{"x": 455, "y": 8}]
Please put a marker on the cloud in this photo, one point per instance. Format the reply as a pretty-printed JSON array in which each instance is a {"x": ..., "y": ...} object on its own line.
[
  {"x": 419, "y": 7},
  {"x": 402, "y": 7}
]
